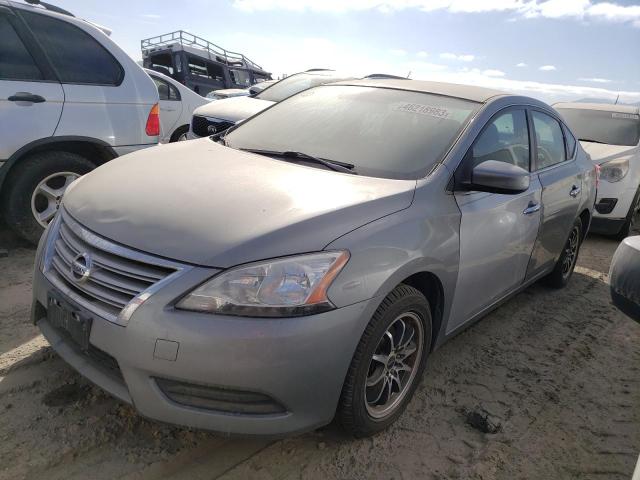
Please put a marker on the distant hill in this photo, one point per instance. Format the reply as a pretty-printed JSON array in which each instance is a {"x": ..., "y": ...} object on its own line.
[{"x": 604, "y": 100}]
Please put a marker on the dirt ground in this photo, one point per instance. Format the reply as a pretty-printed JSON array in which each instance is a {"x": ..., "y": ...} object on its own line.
[{"x": 557, "y": 373}]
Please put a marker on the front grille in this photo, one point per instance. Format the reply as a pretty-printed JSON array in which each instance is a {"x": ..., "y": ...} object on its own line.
[
  {"x": 200, "y": 125},
  {"x": 220, "y": 399},
  {"x": 117, "y": 274}
]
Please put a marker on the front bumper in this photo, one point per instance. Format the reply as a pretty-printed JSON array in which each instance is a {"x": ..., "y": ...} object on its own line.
[
  {"x": 300, "y": 362},
  {"x": 623, "y": 200}
]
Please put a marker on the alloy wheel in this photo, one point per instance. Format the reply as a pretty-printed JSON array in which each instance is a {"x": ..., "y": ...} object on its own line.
[
  {"x": 394, "y": 364},
  {"x": 571, "y": 251},
  {"x": 47, "y": 195}
]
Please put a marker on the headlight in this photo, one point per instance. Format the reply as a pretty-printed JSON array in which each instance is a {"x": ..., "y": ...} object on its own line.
[
  {"x": 286, "y": 287},
  {"x": 615, "y": 170}
]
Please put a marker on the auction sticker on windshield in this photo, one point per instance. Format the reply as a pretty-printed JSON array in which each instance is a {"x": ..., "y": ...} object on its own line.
[{"x": 422, "y": 110}]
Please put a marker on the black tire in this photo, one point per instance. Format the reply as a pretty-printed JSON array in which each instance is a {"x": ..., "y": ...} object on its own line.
[
  {"x": 629, "y": 223},
  {"x": 560, "y": 276},
  {"x": 24, "y": 179},
  {"x": 175, "y": 137},
  {"x": 353, "y": 413}
]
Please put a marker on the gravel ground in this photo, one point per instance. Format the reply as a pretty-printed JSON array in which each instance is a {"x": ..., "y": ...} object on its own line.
[{"x": 547, "y": 386}]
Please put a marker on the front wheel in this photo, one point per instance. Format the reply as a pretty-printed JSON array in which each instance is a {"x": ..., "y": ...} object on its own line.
[
  {"x": 388, "y": 364},
  {"x": 563, "y": 270},
  {"x": 35, "y": 188}
]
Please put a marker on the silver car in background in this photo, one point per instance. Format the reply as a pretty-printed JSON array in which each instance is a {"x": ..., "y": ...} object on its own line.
[{"x": 304, "y": 266}]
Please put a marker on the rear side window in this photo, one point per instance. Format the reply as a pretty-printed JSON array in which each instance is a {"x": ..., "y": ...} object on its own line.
[
  {"x": 549, "y": 139},
  {"x": 15, "y": 61},
  {"x": 571, "y": 142},
  {"x": 504, "y": 139},
  {"x": 166, "y": 91},
  {"x": 76, "y": 56}
]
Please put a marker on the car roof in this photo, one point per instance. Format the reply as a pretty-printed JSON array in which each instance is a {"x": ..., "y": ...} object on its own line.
[
  {"x": 468, "y": 92},
  {"x": 606, "y": 107}
]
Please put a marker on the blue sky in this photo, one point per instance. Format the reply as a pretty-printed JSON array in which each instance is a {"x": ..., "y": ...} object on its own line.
[{"x": 551, "y": 49}]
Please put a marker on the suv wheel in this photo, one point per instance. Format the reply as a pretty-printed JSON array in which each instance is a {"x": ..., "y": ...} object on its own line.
[
  {"x": 180, "y": 134},
  {"x": 388, "y": 364},
  {"x": 35, "y": 188},
  {"x": 563, "y": 270}
]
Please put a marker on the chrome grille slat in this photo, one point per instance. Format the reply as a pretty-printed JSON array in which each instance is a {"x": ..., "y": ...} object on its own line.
[
  {"x": 117, "y": 274},
  {"x": 111, "y": 262}
]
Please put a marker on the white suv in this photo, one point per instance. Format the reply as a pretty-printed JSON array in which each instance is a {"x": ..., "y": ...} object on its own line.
[
  {"x": 611, "y": 136},
  {"x": 70, "y": 100}
]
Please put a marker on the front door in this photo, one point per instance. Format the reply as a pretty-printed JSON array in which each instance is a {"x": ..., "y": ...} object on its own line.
[
  {"x": 561, "y": 192},
  {"x": 497, "y": 231}
]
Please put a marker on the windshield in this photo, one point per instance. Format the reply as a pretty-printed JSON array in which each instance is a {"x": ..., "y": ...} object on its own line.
[
  {"x": 382, "y": 132},
  {"x": 601, "y": 126},
  {"x": 294, "y": 84}
]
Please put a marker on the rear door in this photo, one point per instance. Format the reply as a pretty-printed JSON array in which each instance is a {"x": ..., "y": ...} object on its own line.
[
  {"x": 561, "y": 180},
  {"x": 497, "y": 231},
  {"x": 170, "y": 106},
  {"x": 31, "y": 99}
]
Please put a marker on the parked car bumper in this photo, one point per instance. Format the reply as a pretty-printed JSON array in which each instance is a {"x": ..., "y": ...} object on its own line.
[{"x": 294, "y": 367}]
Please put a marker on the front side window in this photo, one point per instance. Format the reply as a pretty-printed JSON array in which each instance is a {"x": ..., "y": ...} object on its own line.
[
  {"x": 600, "y": 126},
  {"x": 76, "y": 56},
  {"x": 15, "y": 61},
  {"x": 240, "y": 77},
  {"x": 504, "y": 139},
  {"x": 549, "y": 140},
  {"x": 382, "y": 132}
]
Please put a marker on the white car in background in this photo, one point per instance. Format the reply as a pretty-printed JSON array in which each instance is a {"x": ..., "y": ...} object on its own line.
[
  {"x": 227, "y": 93},
  {"x": 611, "y": 136},
  {"x": 177, "y": 103}
]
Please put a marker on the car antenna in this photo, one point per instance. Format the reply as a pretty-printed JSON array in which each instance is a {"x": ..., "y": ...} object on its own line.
[
  {"x": 617, "y": 98},
  {"x": 50, "y": 7},
  {"x": 409, "y": 74}
]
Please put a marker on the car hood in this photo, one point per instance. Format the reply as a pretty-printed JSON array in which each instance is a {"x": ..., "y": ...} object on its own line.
[
  {"x": 233, "y": 109},
  {"x": 601, "y": 152},
  {"x": 205, "y": 204}
]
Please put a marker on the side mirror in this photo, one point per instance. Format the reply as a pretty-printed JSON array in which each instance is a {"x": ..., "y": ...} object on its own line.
[
  {"x": 254, "y": 91},
  {"x": 498, "y": 177}
]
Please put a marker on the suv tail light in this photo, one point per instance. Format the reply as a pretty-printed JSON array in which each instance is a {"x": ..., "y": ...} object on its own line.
[{"x": 153, "y": 122}]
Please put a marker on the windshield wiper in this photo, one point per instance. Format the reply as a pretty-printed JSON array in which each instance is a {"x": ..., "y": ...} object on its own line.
[
  {"x": 330, "y": 164},
  {"x": 591, "y": 140}
]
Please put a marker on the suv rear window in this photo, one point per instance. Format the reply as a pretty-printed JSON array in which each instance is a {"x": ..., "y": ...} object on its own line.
[
  {"x": 76, "y": 56},
  {"x": 600, "y": 126},
  {"x": 15, "y": 61}
]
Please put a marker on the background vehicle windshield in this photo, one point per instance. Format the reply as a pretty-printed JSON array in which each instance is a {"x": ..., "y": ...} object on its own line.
[
  {"x": 294, "y": 84},
  {"x": 606, "y": 127},
  {"x": 383, "y": 132}
]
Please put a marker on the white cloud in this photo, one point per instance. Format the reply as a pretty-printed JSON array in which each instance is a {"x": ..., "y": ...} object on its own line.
[
  {"x": 422, "y": 54},
  {"x": 576, "y": 9},
  {"x": 493, "y": 73},
  {"x": 398, "y": 52},
  {"x": 521, "y": 65},
  {"x": 595, "y": 80},
  {"x": 547, "y": 68},
  {"x": 459, "y": 58}
]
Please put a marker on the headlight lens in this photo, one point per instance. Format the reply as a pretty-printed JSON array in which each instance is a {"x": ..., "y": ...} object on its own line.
[
  {"x": 285, "y": 287},
  {"x": 615, "y": 170}
]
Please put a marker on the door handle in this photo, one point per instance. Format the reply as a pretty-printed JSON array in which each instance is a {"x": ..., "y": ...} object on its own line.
[
  {"x": 575, "y": 191},
  {"x": 531, "y": 208},
  {"x": 26, "y": 97}
]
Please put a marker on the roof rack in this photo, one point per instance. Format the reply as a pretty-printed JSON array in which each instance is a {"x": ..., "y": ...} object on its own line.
[
  {"x": 210, "y": 50},
  {"x": 50, "y": 7}
]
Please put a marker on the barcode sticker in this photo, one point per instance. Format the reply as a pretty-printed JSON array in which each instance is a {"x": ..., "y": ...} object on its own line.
[{"x": 422, "y": 110}]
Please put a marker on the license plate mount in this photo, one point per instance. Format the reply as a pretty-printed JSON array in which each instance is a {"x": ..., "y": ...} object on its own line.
[{"x": 69, "y": 320}]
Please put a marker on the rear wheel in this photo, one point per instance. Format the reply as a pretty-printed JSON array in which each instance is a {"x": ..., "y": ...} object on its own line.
[
  {"x": 388, "y": 363},
  {"x": 179, "y": 134},
  {"x": 35, "y": 189},
  {"x": 563, "y": 270}
]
